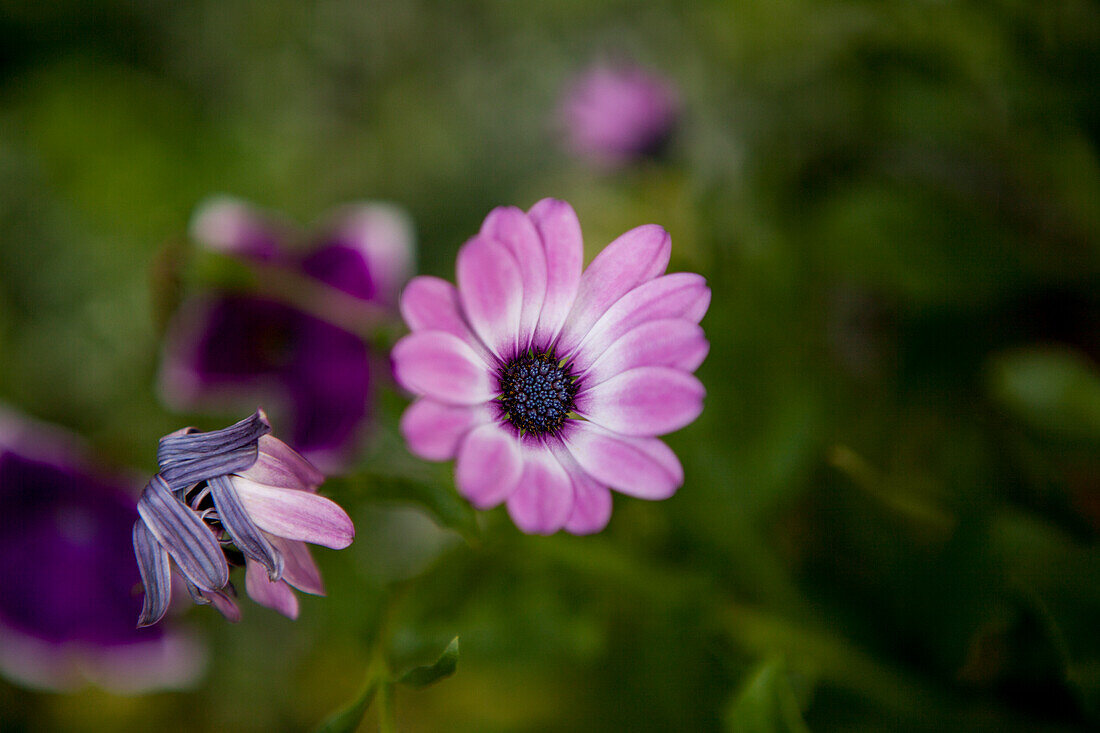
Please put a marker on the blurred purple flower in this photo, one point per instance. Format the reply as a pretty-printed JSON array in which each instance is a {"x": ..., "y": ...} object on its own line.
[
  {"x": 223, "y": 349},
  {"x": 68, "y": 597},
  {"x": 613, "y": 114},
  {"x": 233, "y": 495},
  {"x": 548, "y": 385}
]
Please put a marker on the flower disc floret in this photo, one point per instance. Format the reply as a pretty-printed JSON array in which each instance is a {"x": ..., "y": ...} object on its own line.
[{"x": 537, "y": 393}]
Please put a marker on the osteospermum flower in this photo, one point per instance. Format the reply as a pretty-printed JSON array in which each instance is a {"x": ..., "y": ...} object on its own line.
[
  {"x": 549, "y": 386},
  {"x": 67, "y": 605},
  {"x": 224, "y": 349},
  {"x": 612, "y": 114},
  {"x": 227, "y": 495}
]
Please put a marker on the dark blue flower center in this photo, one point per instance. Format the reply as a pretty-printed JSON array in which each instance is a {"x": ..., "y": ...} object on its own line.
[{"x": 537, "y": 392}]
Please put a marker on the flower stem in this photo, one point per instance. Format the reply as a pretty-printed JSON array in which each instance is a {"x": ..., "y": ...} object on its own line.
[{"x": 387, "y": 718}]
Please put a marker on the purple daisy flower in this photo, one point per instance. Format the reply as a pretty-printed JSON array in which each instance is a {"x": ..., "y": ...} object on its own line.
[
  {"x": 547, "y": 385},
  {"x": 68, "y": 600},
  {"x": 231, "y": 496},
  {"x": 227, "y": 349},
  {"x": 615, "y": 114}
]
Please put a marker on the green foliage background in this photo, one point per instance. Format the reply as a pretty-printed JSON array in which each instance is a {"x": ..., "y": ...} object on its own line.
[{"x": 892, "y": 503}]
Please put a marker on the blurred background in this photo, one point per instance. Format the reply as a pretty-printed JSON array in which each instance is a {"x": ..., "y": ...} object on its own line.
[{"x": 892, "y": 503}]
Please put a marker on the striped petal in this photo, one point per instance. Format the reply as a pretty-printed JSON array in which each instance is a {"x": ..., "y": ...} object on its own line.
[
  {"x": 246, "y": 535},
  {"x": 186, "y": 458},
  {"x": 156, "y": 576},
  {"x": 183, "y": 534}
]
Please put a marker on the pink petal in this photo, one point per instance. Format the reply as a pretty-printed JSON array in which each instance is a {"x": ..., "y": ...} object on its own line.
[
  {"x": 232, "y": 226},
  {"x": 224, "y": 603},
  {"x": 383, "y": 234},
  {"x": 671, "y": 296},
  {"x": 543, "y": 498},
  {"x": 299, "y": 569},
  {"x": 296, "y": 515},
  {"x": 670, "y": 342},
  {"x": 433, "y": 429},
  {"x": 644, "y": 401},
  {"x": 488, "y": 465},
  {"x": 277, "y": 595},
  {"x": 280, "y": 465},
  {"x": 490, "y": 287},
  {"x": 511, "y": 227},
  {"x": 431, "y": 304},
  {"x": 634, "y": 258},
  {"x": 641, "y": 467},
  {"x": 560, "y": 232},
  {"x": 442, "y": 366},
  {"x": 591, "y": 505}
]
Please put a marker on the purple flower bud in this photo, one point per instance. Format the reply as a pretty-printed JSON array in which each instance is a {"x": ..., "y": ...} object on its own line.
[{"x": 229, "y": 493}]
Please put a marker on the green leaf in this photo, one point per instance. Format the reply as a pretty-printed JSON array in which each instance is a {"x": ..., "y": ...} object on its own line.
[
  {"x": 767, "y": 703},
  {"x": 418, "y": 677},
  {"x": 347, "y": 719},
  {"x": 1052, "y": 390}
]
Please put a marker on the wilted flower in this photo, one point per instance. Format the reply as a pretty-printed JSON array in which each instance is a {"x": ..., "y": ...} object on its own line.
[
  {"x": 224, "y": 348},
  {"x": 68, "y": 600},
  {"x": 226, "y": 495},
  {"x": 547, "y": 385},
  {"x": 613, "y": 114}
]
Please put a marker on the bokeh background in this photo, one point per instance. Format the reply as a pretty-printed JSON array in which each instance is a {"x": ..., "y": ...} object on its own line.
[{"x": 892, "y": 504}]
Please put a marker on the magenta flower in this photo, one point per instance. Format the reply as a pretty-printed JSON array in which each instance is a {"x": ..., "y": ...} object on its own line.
[
  {"x": 614, "y": 114},
  {"x": 225, "y": 349},
  {"x": 67, "y": 606},
  {"x": 229, "y": 496},
  {"x": 547, "y": 385}
]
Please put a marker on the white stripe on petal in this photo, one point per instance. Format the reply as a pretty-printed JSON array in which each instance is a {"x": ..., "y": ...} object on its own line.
[
  {"x": 490, "y": 287},
  {"x": 511, "y": 227},
  {"x": 560, "y": 232},
  {"x": 634, "y": 258}
]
